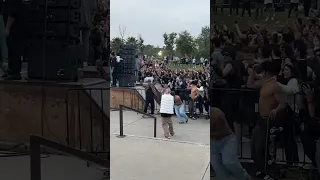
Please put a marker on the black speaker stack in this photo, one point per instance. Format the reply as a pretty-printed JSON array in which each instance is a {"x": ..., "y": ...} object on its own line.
[
  {"x": 128, "y": 71},
  {"x": 54, "y": 32}
]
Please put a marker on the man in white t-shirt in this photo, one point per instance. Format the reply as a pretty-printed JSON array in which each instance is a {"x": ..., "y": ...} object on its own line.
[
  {"x": 149, "y": 78},
  {"x": 202, "y": 61},
  {"x": 269, "y": 9}
]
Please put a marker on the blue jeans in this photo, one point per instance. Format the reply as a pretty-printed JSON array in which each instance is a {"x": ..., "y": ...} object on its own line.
[
  {"x": 181, "y": 114},
  {"x": 224, "y": 159}
]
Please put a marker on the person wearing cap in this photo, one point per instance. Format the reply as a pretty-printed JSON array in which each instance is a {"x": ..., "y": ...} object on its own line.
[{"x": 116, "y": 69}]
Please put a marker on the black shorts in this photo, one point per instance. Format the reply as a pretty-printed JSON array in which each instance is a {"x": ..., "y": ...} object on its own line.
[
  {"x": 247, "y": 114},
  {"x": 230, "y": 105}
]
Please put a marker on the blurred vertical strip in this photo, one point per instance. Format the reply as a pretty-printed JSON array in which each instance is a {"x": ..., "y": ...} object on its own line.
[{"x": 102, "y": 22}]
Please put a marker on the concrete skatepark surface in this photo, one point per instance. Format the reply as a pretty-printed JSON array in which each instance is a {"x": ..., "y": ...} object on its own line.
[{"x": 139, "y": 156}]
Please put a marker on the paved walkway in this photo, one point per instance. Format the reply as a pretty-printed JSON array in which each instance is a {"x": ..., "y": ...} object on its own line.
[{"x": 139, "y": 156}]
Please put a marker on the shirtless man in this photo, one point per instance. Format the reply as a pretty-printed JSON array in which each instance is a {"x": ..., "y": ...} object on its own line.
[
  {"x": 271, "y": 102},
  {"x": 179, "y": 109},
  {"x": 194, "y": 94}
]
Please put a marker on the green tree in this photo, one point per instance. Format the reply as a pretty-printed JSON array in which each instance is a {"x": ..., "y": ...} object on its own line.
[
  {"x": 132, "y": 41},
  {"x": 203, "y": 43},
  {"x": 116, "y": 43},
  {"x": 185, "y": 44},
  {"x": 150, "y": 50},
  {"x": 141, "y": 45},
  {"x": 169, "y": 41}
]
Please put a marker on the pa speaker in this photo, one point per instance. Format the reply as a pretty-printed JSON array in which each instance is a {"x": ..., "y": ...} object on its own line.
[
  {"x": 55, "y": 30},
  {"x": 127, "y": 80},
  {"x": 61, "y": 60},
  {"x": 55, "y": 15}
]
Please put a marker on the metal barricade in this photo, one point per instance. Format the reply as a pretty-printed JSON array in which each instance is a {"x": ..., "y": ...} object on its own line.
[
  {"x": 240, "y": 99},
  {"x": 122, "y": 107},
  {"x": 88, "y": 133}
]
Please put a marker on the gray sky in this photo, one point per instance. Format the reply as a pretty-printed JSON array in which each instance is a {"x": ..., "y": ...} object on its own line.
[{"x": 152, "y": 18}]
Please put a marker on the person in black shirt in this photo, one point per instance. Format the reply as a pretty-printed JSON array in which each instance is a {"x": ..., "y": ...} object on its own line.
[
  {"x": 165, "y": 79},
  {"x": 150, "y": 94},
  {"x": 115, "y": 68},
  {"x": 13, "y": 31},
  {"x": 276, "y": 58}
]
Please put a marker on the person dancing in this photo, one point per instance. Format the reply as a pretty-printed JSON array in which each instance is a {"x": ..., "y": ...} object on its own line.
[{"x": 179, "y": 109}]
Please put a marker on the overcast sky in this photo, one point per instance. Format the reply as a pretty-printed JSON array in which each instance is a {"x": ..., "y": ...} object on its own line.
[{"x": 152, "y": 18}]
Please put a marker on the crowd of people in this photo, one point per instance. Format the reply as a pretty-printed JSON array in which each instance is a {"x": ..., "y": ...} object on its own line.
[
  {"x": 264, "y": 8},
  {"x": 188, "y": 86},
  {"x": 192, "y": 61},
  {"x": 277, "y": 72}
]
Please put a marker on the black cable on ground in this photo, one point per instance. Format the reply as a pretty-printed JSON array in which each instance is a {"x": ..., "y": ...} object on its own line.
[
  {"x": 16, "y": 154},
  {"x": 10, "y": 152},
  {"x": 14, "y": 147}
]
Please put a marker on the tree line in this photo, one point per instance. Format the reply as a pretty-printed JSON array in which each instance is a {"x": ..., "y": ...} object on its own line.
[{"x": 176, "y": 44}]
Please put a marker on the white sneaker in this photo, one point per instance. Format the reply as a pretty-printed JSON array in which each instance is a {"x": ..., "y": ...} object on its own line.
[{"x": 266, "y": 19}]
